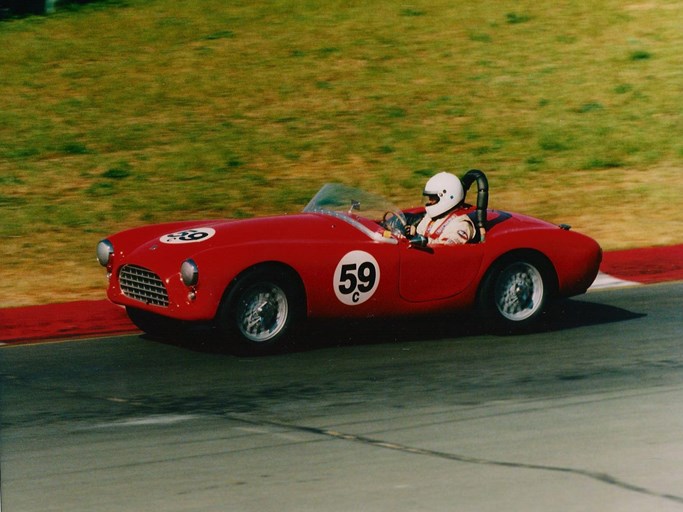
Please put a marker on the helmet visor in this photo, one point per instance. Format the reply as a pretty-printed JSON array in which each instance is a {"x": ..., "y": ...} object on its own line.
[{"x": 431, "y": 199}]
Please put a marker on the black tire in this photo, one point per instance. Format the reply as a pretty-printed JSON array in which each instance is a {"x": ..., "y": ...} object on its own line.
[
  {"x": 152, "y": 324},
  {"x": 259, "y": 312},
  {"x": 516, "y": 291}
]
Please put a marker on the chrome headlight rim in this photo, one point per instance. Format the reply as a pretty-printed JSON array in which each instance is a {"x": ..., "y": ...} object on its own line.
[
  {"x": 105, "y": 252},
  {"x": 189, "y": 272}
]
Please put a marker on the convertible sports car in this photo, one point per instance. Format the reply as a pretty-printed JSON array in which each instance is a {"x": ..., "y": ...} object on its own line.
[{"x": 345, "y": 256}]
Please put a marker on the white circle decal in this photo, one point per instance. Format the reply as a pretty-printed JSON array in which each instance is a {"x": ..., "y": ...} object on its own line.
[
  {"x": 356, "y": 278},
  {"x": 189, "y": 236}
]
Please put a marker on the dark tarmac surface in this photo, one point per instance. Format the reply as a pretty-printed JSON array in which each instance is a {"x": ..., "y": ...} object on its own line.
[{"x": 585, "y": 414}]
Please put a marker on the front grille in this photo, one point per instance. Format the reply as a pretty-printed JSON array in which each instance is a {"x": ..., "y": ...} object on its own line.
[{"x": 140, "y": 284}]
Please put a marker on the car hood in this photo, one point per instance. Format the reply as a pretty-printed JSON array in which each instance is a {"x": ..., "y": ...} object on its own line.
[{"x": 177, "y": 241}]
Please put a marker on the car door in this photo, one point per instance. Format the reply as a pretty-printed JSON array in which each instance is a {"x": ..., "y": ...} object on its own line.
[{"x": 437, "y": 272}]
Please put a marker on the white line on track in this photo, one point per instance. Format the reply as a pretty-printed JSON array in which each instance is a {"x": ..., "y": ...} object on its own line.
[{"x": 157, "y": 419}]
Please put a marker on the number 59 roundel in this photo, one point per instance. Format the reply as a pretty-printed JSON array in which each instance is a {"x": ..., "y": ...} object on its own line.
[{"x": 356, "y": 278}]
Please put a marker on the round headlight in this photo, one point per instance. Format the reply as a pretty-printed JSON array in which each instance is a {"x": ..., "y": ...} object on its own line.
[
  {"x": 189, "y": 272},
  {"x": 105, "y": 250}
]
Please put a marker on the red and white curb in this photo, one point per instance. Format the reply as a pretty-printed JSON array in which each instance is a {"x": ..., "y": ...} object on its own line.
[
  {"x": 605, "y": 281},
  {"x": 102, "y": 318}
]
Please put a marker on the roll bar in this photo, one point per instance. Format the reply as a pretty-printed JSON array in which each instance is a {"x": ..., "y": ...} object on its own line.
[{"x": 482, "y": 197}]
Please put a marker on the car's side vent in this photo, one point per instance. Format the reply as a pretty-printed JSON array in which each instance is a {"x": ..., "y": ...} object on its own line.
[{"x": 140, "y": 284}]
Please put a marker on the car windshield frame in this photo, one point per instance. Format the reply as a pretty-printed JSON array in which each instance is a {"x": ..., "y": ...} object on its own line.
[{"x": 358, "y": 208}]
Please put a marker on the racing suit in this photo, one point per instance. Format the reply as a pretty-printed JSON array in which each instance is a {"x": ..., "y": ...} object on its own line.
[{"x": 449, "y": 229}]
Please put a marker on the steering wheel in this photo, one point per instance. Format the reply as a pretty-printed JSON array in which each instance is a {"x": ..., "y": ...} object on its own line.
[{"x": 394, "y": 222}]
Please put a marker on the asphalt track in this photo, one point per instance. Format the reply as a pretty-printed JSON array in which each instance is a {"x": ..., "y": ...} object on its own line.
[{"x": 584, "y": 415}]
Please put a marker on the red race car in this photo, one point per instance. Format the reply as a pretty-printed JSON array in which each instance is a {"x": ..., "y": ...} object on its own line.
[{"x": 347, "y": 255}]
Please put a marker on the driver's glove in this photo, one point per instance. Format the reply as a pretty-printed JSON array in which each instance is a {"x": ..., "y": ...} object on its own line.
[{"x": 418, "y": 241}]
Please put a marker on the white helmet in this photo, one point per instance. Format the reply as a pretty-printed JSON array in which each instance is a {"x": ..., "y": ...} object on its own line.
[{"x": 445, "y": 192}]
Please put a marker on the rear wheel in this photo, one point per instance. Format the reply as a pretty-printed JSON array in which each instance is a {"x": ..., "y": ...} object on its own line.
[
  {"x": 259, "y": 312},
  {"x": 516, "y": 291}
]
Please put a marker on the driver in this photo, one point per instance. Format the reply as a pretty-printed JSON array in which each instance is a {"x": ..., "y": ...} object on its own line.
[{"x": 442, "y": 223}]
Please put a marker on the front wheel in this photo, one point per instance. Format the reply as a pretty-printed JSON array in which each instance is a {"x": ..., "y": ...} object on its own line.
[
  {"x": 259, "y": 312},
  {"x": 516, "y": 292}
]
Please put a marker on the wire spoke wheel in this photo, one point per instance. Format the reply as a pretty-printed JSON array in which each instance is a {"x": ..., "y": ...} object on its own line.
[
  {"x": 262, "y": 312},
  {"x": 519, "y": 291}
]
